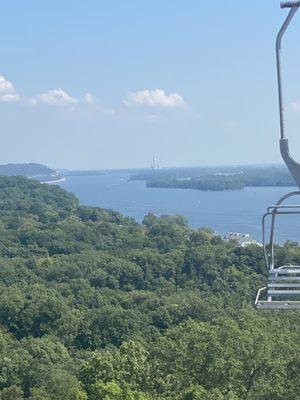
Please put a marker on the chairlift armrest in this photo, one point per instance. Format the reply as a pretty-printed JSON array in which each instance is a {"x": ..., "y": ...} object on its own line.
[{"x": 274, "y": 208}]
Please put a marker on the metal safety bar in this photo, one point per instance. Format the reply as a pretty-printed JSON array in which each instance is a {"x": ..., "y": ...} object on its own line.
[
  {"x": 283, "y": 281},
  {"x": 273, "y": 211}
]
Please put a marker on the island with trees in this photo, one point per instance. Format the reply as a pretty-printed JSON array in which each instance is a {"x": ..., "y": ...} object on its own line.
[
  {"x": 95, "y": 306},
  {"x": 216, "y": 179}
]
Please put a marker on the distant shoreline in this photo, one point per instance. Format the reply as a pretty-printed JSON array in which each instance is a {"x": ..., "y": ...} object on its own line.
[{"x": 55, "y": 181}]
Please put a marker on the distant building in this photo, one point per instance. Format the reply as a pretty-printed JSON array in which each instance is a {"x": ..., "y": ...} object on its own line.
[
  {"x": 243, "y": 239},
  {"x": 154, "y": 164}
]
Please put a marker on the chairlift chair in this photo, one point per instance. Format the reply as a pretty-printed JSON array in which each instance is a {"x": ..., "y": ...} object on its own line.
[{"x": 283, "y": 287}]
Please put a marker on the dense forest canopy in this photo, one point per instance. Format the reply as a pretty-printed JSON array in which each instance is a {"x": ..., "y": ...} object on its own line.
[{"x": 94, "y": 306}]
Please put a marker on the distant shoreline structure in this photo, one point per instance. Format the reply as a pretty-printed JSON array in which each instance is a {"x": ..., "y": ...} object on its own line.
[
  {"x": 243, "y": 239},
  {"x": 55, "y": 181}
]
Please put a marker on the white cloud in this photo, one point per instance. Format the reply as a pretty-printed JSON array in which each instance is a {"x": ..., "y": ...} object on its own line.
[
  {"x": 89, "y": 98},
  {"x": 56, "y": 97},
  {"x": 295, "y": 105},
  {"x": 93, "y": 101},
  {"x": 152, "y": 119},
  {"x": 9, "y": 97},
  {"x": 107, "y": 111},
  {"x": 154, "y": 98},
  {"x": 8, "y": 93},
  {"x": 5, "y": 85},
  {"x": 32, "y": 101}
]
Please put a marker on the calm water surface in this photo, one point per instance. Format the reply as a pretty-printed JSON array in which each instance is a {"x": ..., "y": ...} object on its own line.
[{"x": 229, "y": 211}]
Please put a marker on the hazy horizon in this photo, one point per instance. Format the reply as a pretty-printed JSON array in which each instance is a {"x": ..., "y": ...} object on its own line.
[{"x": 147, "y": 167}]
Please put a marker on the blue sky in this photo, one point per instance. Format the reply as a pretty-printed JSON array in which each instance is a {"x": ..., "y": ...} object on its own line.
[{"x": 110, "y": 84}]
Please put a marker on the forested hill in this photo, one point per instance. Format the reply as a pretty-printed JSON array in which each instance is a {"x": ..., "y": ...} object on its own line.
[
  {"x": 94, "y": 306},
  {"x": 29, "y": 170}
]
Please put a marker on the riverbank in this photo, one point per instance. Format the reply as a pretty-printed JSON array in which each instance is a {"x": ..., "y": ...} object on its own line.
[{"x": 55, "y": 181}]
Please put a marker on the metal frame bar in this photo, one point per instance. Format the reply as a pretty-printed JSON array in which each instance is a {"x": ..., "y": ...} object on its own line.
[
  {"x": 294, "y": 8},
  {"x": 273, "y": 211},
  {"x": 278, "y": 209},
  {"x": 291, "y": 163}
]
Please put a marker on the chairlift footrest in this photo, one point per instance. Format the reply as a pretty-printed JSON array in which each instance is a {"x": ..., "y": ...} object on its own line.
[{"x": 279, "y": 305}]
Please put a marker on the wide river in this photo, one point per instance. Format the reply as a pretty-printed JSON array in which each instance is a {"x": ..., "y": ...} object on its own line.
[{"x": 224, "y": 212}]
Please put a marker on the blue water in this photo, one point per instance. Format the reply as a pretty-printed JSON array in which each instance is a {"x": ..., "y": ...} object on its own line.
[{"x": 229, "y": 211}]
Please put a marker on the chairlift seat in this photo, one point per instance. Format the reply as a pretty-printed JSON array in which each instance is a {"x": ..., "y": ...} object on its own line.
[{"x": 283, "y": 285}]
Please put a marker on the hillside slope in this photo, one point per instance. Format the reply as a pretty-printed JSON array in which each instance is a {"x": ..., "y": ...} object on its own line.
[
  {"x": 30, "y": 170},
  {"x": 95, "y": 306}
]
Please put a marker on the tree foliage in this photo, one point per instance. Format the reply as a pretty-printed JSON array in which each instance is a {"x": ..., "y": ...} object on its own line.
[{"x": 94, "y": 306}]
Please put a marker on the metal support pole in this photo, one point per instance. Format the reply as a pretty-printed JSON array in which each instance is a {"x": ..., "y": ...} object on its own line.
[{"x": 294, "y": 7}]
